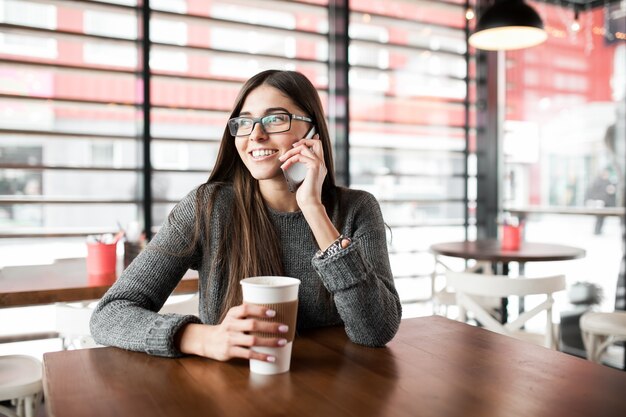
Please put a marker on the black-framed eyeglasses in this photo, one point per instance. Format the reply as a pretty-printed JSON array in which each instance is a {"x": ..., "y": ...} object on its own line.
[{"x": 272, "y": 123}]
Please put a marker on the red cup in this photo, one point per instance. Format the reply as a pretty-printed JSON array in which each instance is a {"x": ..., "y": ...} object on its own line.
[
  {"x": 511, "y": 237},
  {"x": 101, "y": 263}
]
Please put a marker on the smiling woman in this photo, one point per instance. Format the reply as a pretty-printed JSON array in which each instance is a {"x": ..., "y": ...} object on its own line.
[
  {"x": 263, "y": 142},
  {"x": 245, "y": 222}
]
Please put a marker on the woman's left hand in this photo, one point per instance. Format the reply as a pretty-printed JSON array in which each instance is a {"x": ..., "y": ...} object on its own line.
[{"x": 311, "y": 153}]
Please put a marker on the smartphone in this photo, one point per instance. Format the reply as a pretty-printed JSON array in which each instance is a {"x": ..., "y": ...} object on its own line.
[{"x": 296, "y": 173}]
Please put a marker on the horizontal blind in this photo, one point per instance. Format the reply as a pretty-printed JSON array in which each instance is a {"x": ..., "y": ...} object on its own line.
[
  {"x": 71, "y": 105},
  {"x": 408, "y": 97}
]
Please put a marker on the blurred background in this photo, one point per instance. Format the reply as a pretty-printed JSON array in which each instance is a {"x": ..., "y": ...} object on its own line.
[{"x": 406, "y": 100}]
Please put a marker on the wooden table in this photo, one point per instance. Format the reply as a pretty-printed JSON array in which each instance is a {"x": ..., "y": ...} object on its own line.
[
  {"x": 433, "y": 367},
  {"x": 64, "y": 281},
  {"x": 491, "y": 250}
]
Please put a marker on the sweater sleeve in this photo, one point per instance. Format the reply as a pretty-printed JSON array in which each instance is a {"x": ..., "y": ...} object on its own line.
[
  {"x": 359, "y": 278},
  {"x": 127, "y": 316}
]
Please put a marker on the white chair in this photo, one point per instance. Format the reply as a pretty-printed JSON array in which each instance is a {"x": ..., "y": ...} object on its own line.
[
  {"x": 72, "y": 320},
  {"x": 443, "y": 296},
  {"x": 186, "y": 306},
  {"x": 600, "y": 330},
  {"x": 72, "y": 323},
  {"x": 468, "y": 286},
  {"x": 20, "y": 382}
]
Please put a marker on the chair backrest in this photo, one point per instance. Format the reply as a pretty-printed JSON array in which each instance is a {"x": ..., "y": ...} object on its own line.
[
  {"x": 469, "y": 286},
  {"x": 187, "y": 306},
  {"x": 503, "y": 286},
  {"x": 72, "y": 323}
]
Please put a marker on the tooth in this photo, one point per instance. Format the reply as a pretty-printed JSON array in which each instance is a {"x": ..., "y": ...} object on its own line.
[{"x": 263, "y": 152}]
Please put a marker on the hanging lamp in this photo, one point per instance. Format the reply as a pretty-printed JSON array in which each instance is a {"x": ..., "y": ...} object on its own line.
[{"x": 508, "y": 25}]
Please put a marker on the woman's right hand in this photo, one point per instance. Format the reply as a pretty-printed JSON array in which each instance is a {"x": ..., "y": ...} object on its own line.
[{"x": 231, "y": 338}]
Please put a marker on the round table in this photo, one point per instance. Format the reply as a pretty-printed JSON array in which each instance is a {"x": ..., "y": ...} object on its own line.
[{"x": 491, "y": 250}]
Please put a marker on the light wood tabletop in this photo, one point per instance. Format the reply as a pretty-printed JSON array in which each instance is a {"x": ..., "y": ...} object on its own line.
[
  {"x": 433, "y": 367},
  {"x": 63, "y": 281}
]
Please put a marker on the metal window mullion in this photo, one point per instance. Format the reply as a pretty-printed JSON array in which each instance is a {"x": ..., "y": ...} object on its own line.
[
  {"x": 68, "y": 100},
  {"x": 238, "y": 53},
  {"x": 395, "y": 70},
  {"x": 339, "y": 89},
  {"x": 57, "y": 233},
  {"x": 208, "y": 20},
  {"x": 420, "y": 201},
  {"x": 146, "y": 107},
  {"x": 69, "y": 67},
  {"x": 103, "y": 5},
  {"x": 65, "y": 135},
  {"x": 235, "y": 83},
  {"x": 28, "y": 167},
  {"x": 420, "y": 225},
  {"x": 188, "y": 141},
  {"x": 411, "y": 48},
  {"x": 6, "y": 200},
  {"x": 419, "y": 99},
  {"x": 9, "y": 28},
  {"x": 390, "y": 122},
  {"x": 411, "y": 175},
  {"x": 421, "y": 151},
  {"x": 489, "y": 107},
  {"x": 466, "y": 213},
  {"x": 410, "y": 20}
]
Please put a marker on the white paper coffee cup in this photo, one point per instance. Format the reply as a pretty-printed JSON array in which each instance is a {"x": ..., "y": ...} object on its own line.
[{"x": 281, "y": 295}]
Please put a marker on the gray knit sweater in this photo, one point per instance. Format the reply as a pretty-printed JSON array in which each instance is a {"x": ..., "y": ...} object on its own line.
[{"x": 364, "y": 299}]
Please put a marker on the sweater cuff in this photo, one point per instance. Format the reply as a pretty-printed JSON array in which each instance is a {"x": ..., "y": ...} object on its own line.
[
  {"x": 160, "y": 338},
  {"x": 343, "y": 270}
]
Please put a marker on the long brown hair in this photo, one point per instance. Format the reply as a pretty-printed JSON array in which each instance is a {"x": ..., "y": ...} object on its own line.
[{"x": 250, "y": 244}]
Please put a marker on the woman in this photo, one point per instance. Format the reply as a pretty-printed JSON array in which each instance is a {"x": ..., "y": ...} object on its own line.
[{"x": 245, "y": 222}]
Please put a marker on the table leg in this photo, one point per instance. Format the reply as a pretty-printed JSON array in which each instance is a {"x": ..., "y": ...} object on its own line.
[
  {"x": 505, "y": 301},
  {"x": 521, "y": 297}
]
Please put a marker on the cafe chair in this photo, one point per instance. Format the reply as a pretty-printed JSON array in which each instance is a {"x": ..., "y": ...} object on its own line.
[
  {"x": 444, "y": 297},
  {"x": 600, "y": 330},
  {"x": 72, "y": 323},
  {"x": 468, "y": 286},
  {"x": 189, "y": 305},
  {"x": 20, "y": 382},
  {"x": 72, "y": 319}
]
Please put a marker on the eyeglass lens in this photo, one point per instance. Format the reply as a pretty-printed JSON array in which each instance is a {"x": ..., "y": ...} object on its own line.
[{"x": 274, "y": 123}]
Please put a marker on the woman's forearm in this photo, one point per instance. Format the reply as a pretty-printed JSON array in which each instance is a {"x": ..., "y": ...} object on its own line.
[{"x": 322, "y": 227}]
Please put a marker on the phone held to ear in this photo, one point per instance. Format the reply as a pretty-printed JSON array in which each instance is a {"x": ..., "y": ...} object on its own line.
[{"x": 296, "y": 173}]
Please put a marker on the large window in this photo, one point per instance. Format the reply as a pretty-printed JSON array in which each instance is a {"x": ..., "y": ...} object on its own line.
[
  {"x": 71, "y": 115},
  {"x": 564, "y": 140},
  {"x": 70, "y": 103},
  {"x": 410, "y": 126},
  {"x": 71, "y": 106}
]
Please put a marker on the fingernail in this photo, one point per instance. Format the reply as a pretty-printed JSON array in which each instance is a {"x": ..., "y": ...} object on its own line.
[
  {"x": 282, "y": 342},
  {"x": 295, "y": 144},
  {"x": 283, "y": 328},
  {"x": 270, "y": 313},
  {"x": 271, "y": 359}
]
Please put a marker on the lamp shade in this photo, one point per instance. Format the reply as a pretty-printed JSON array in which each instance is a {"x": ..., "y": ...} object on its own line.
[{"x": 508, "y": 25}]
